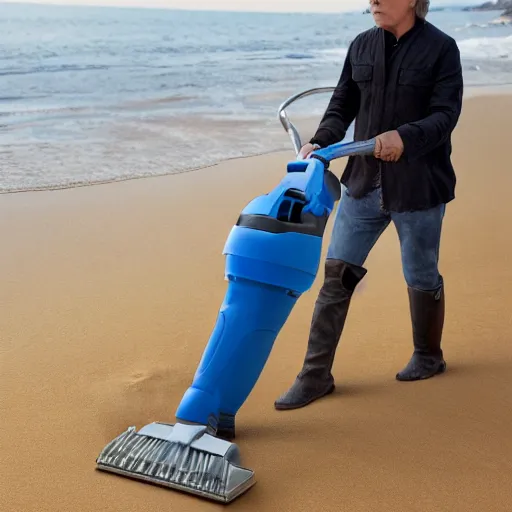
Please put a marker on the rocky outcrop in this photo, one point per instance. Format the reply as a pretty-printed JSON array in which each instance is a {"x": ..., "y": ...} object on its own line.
[
  {"x": 498, "y": 5},
  {"x": 505, "y": 18}
]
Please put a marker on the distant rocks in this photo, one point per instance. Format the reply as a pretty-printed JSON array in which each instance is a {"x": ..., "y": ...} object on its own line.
[
  {"x": 498, "y": 5},
  {"x": 504, "y": 19}
]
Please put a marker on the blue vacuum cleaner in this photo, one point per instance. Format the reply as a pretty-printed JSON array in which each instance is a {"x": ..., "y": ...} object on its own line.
[{"x": 272, "y": 257}]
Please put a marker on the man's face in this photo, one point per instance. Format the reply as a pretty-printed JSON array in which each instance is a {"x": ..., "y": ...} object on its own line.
[{"x": 390, "y": 13}]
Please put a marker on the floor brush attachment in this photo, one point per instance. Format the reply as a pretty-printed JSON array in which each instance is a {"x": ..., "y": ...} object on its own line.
[
  {"x": 181, "y": 457},
  {"x": 272, "y": 257}
]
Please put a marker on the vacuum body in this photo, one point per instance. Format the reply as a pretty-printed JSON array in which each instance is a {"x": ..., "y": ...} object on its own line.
[{"x": 272, "y": 258}]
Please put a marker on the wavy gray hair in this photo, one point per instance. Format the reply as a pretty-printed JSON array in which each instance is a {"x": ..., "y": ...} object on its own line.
[{"x": 421, "y": 8}]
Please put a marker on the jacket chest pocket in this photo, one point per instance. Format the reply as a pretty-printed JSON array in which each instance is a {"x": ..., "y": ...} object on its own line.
[
  {"x": 415, "y": 77},
  {"x": 362, "y": 74},
  {"x": 413, "y": 94}
]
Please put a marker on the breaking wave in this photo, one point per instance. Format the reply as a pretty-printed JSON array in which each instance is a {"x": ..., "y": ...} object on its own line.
[{"x": 486, "y": 48}]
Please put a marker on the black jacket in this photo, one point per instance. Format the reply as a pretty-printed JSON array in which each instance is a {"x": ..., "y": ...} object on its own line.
[{"x": 413, "y": 85}]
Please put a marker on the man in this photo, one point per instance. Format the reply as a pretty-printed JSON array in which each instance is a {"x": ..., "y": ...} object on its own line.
[{"x": 402, "y": 83}]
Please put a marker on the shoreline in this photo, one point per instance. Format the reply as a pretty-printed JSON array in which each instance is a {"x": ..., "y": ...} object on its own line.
[{"x": 471, "y": 93}]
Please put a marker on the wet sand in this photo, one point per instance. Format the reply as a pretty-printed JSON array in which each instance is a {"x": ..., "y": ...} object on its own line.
[{"x": 109, "y": 294}]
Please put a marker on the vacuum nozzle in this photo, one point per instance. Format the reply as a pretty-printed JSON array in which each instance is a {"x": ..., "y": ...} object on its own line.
[{"x": 182, "y": 457}]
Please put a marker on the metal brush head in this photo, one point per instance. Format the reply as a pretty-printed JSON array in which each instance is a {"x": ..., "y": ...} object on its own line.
[{"x": 181, "y": 457}]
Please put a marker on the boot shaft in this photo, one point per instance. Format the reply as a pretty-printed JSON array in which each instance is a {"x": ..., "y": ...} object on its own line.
[
  {"x": 329, "y": 315},
  {"x": 427, "y": 310}
]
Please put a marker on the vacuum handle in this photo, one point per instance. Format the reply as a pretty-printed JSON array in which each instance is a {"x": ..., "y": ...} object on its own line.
[
  {"x": 319, "y": 199},
  {"x": 285, "y": 121},
  {"x": 337, "y": 150},
  {"x": 342, "y": 149}
]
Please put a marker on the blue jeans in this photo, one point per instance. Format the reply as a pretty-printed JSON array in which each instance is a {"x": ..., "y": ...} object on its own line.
[{"x": 360, "y": 222}]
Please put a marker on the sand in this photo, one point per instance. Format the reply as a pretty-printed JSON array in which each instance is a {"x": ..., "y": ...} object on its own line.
[{"x": 109, "y": 294}]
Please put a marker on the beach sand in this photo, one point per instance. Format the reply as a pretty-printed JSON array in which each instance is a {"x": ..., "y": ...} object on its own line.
[{"x": 108, "y": 297}]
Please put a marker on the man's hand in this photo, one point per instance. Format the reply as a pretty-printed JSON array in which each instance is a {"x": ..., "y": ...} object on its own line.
[
  {"x": 389, "y": 146},
  {"x": 306, "y": 150}
]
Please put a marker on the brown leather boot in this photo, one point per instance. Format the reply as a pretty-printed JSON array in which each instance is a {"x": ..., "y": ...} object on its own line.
[
  {"x": 331, "y": 308},
  {"x": 427, "y": 316}
]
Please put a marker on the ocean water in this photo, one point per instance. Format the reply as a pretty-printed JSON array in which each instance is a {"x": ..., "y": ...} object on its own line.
[{"x": 93, "y": 94}]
